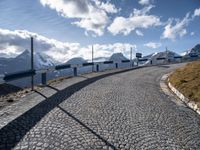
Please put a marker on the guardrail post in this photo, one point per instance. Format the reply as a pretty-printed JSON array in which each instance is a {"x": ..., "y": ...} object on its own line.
[
  {"x": 75, "y": 71},
  {"x": 97, "y": 67},
  {"x": 44, "y": 78},
  {"x": 116, "y": 65}
]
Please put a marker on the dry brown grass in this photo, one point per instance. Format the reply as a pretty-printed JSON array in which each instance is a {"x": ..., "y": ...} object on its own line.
[
  {"x": 187, "y": 81},
  {"x": 59, "y": 79}
]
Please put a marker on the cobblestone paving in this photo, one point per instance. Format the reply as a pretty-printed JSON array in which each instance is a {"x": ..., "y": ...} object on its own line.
[{"x": 122, "y": 111}]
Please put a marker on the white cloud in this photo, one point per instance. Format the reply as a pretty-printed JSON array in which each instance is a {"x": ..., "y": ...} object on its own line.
[
  {"x": 144, "y": 2},
  {"x": 178, "y": 29},
  {"x": 196, "y": 12},
  {"x": 138, "y": 19},
  {"x": 192, "y": 33},
  {"x": 108, "y": 7},
  {"x": 153, "y": 45},
  {"x": 139, "y": 33},
  {"x": 13, "y": 43},
  {"x": 91, "y": 15}
]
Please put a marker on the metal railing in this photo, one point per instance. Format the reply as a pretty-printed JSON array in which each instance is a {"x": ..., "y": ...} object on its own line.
[{"x": 29, "y": 73}]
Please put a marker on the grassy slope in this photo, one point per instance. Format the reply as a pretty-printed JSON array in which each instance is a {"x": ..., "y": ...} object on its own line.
[{"x": 187, "y": 81}]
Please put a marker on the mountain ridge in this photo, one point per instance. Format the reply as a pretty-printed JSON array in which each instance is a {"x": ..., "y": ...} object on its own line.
[{"x": 41, "y": 60}]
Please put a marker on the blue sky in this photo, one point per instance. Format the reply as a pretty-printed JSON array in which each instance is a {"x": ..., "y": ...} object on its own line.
[{"x": 148, "y": 25}]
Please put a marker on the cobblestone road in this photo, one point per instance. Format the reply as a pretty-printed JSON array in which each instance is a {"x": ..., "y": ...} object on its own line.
[{"x": 120, "y": 111}]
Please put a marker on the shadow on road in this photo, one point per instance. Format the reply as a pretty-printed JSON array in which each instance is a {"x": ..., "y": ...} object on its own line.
[
  {"x": 163, "y": 66},
  {"x": 14, "y": 131},
  {"x": 40, "y": 94},
  {"x": 51, "y": 87},
  {"x": 85, "y": 126}
]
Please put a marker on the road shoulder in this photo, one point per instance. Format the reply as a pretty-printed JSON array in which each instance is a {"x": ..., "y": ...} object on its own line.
[{"x": 175, "y": 95}]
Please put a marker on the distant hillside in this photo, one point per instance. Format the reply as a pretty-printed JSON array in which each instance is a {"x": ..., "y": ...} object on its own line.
[
  {"x": 192, "y": 52},
  {"x": 169, "y": 55},
  {"x": 23, "y": 62},
  {"x": 117, "y": 57},
  {"x": 76, "y": 60}
]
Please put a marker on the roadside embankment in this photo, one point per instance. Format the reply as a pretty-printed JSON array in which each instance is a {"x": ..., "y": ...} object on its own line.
[{"x": 185, "y": 83}]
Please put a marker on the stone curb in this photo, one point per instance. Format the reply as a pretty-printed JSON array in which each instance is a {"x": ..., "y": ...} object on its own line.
[
  {"x": 189, "y": 103},
  {"x": 168, "y": 88}
]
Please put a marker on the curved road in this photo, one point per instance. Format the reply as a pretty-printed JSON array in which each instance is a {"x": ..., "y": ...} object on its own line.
[{"x": 123, "y": 111}]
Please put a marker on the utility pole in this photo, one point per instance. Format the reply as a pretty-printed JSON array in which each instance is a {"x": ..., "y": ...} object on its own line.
[
  {"x": 32, "y": 65},
  {"x": 92, "y": 59},
  {"x": 131, "y": 55},
  {"x": 167, "y": 57}
]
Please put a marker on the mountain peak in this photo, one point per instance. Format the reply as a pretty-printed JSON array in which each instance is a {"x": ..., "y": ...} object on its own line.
[
  {"x": 26, "y": 52},
  {"x": 24, "y": 55},
  {"x": 193, "y": 51},
  {"x": 117, "y": 57},
  {"x": 76, "y": 60},
  {"x": 197, "y": 46}
]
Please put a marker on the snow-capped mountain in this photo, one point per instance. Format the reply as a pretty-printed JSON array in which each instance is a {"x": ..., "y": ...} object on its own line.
[
  {"x": 76, "y": 60},
  {"x": 168, "y": 55},
  {"x": 4, "y": 61},
  {"x": 23, "y": 62},
  {"x": 43, "y": 61},
  {"x": 150, "y": 56},
  {"x": 18, "y": 63},
  {"x": 117, "y": 57},
  {"x": 191, "y": 52}
]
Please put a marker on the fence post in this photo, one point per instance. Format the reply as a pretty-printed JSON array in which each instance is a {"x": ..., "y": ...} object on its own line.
[
  {"x": 44, "y": 78},
  {"x": 97, "y": 67},
  {"x": 75, "y": 71},
  {"x": 116, "y": 65}
]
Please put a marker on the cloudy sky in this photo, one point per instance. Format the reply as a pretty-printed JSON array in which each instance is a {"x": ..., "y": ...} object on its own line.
[{"x": 67, "y": 28}]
